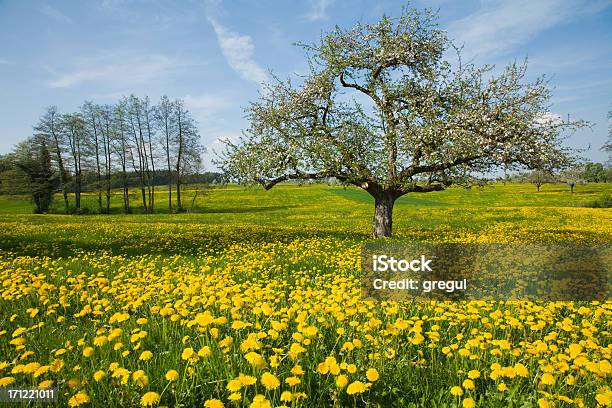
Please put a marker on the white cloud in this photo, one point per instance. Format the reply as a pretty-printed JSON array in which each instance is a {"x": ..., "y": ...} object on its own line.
[
  {"x": 318, "y": 10},
  {"x": 118, "y": 69},
  {"x": 238, "y": 51},
  {"x": 55, "y": 14},
  {"x": 499, "y": 26}
]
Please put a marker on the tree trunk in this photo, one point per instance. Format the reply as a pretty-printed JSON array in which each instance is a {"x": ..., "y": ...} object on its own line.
[
  {"x": 169, "y": 168},
  {"x": 178, "y": 192},
  {"x": 152, "y": 177},
  {"x": 179, "y": 205},
  {"x": 77, "y": 192},
  {"x": 62, "y": 171},
  {"x": 126, "y": 192},
  {"x": 77, "y": 185},
  {"x": 383, "y": 215},
  {"x": 99, "y": 180},
  {"x": 108, "y": 182},
  {"x": 65, "y": 194},
  {"x": 572, "y": 188}
]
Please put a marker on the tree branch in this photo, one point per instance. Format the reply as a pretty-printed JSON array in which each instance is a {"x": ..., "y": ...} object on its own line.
[
  {"x": 268, "y": 184},
  {"x": 414, "y": 170},
  {"x": 355, "y": 86}
]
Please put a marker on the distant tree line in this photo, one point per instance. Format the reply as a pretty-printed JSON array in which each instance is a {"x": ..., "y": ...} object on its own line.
[
  {"x": 587, "y": 173},
  {"x": 101, "y": 147},
  {"x": 12, "y": 180}
]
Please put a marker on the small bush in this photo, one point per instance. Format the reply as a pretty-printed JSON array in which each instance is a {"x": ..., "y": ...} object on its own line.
[{"x": 605, "y": 201}]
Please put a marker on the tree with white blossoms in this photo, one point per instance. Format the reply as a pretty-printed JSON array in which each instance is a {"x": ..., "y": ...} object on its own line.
[
  {"x": 572, "y": 176},
  {"x": 607, "y": 147},
  {"x": 538, "y": 178},
  {"x": 388, "y": 108}
]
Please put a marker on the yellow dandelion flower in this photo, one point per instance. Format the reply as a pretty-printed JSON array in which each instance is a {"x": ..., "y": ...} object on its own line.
[
  {"x": 341, "y": 381},
  {"x": 473, "y": 374},
  {"x": 297, "y": 370},
  {"x": 372, "y": 374},
  {"x": 521, "y": 370},
  {"x": 149, "y": 399},
  {"x": 292, "y": 381},
  {"x": 172, "y": 375},
  {"x": 255, "y": 359},
  {"x": 78, "y": 399},
  {"x": 140, "y": 378},
  {"x": 286, "y": 396},
  {"x": 542, "y": 403},
  {"x": 187, "y": 353},
  {"x": 259, "y": 401},
  {"x": 356, "y": 387},
  {"x": 234, "y": 385},
  {"x": 270, "y": 381},
  {"x": 45, "y": 384},
  {"x": 6, "y": 381},
  {"x": 604, "y": 397},
  {"x": 41, "y": 370},
  {"x": 468, "y": 403},
  {"x": 547, "y": 379},
  {"x": 145, "y": 355},
  {"x": 247, "y": 380},
  {"x": 213, "y": 403},
  {"x": 99, "y": 375}
]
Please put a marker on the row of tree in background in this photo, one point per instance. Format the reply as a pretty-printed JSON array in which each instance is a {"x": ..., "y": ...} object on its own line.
[
  {"x": 588, "y": 173},
  {"x": 107, "y": 146}
]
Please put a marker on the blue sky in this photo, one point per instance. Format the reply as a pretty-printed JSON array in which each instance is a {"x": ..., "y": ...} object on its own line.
[{"x": 214, "y": 54}]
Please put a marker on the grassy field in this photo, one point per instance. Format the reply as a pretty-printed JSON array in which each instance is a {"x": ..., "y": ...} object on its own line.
[{"x": 252, "y": 299}]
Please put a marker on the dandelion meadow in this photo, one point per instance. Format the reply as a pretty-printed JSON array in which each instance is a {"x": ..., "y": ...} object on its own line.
[{"x": 253, "y": 301}]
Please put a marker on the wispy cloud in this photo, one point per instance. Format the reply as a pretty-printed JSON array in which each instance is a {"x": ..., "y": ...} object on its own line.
[
  {"x": 238, "y": 51},
  {"x": 318, "y": 10},
  {"x": 55, "y": 14},
  {"x": 118, "y": 69},
  {"x": 499, "y": 26}
]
